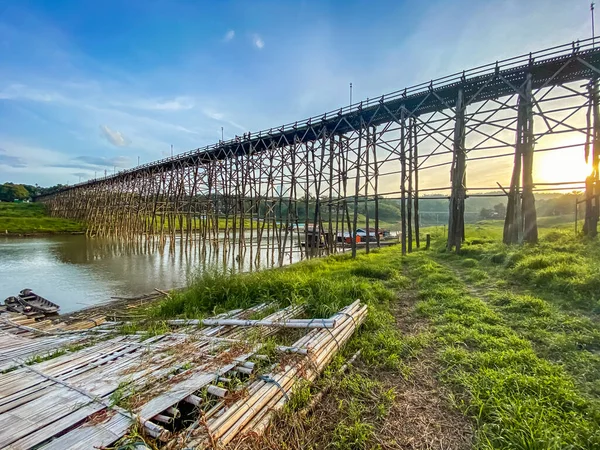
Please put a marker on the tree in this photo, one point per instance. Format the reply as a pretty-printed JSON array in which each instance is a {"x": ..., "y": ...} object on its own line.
[
  {"x": 500, "y": 210},
  {"x": 486, "y": 213},
  {"x": 10, "y": 192}
]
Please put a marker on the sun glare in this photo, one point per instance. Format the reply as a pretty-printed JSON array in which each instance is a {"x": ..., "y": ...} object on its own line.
[{"x": 559, "y": 166}]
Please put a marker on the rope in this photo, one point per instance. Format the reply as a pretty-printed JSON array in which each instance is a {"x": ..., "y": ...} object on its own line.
[
  {"x": 349, "y": 315},
  {"x": 268, "y": 379}
]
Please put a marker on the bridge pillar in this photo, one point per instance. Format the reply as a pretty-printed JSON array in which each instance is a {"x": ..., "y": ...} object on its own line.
[
  {"x": 520, "y": 224},
  {"x": 592, "y": 185},
  {"x": 403, "y": 176},
  {"x": 416, "y": 190},
  {"x": 530, "y": 229},
  {"x": 456, "y": 219}
]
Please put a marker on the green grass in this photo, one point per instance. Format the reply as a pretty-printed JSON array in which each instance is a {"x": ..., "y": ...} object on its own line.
[
  {"x": 562, "y": 266},
  {"x": 324, "y": 286},
  {"x": 31, "y": 218},
  {"x": 548, "y": 294},
  {"x": 518, "y": 399},
  {"x": 22, "y": 210},
  {"x": 512, "y": 333}
]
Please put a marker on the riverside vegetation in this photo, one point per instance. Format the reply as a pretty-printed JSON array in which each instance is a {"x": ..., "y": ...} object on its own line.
[
  {"x": 498, "y": 347},
  {"x": 31, "y": 218}
]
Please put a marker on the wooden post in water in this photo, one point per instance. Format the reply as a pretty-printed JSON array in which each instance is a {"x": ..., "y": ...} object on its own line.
[{"x": 456, "y": 220}]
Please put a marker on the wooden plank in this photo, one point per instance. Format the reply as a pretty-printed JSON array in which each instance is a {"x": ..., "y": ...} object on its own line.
[
  {"x": 44, "y": 433},
  {"x": 91, "y": 436}
]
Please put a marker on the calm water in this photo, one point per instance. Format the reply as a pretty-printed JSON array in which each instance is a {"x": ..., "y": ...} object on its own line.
[{"x": 76, "y": 271}]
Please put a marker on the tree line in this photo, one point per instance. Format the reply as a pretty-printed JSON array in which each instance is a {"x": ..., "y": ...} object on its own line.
[{"x": 10, "y": 192}]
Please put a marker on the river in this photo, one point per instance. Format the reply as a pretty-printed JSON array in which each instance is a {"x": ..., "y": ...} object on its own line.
[{"x": 76, "y": 271}]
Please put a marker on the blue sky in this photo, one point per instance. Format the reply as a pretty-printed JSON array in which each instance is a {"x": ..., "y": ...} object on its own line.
[{"x": 89, "y": 85}]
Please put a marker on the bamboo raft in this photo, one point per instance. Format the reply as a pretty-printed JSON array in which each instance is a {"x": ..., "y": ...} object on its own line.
[{"x": 195, "y": 386}]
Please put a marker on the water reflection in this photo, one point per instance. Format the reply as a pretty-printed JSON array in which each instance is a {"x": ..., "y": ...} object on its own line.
[{"x": 76, "y": 271}]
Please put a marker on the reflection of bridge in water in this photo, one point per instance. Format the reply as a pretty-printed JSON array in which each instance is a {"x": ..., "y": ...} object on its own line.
[
  {"x": 156, "y": 255},
  {"x": 331, "y": 169}
]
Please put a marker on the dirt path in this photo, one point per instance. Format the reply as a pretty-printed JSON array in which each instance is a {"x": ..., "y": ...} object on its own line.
[{"x": 420, "y": 416}]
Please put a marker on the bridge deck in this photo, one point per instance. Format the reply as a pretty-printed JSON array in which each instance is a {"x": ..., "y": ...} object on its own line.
[{"x": 550, "y": 67}]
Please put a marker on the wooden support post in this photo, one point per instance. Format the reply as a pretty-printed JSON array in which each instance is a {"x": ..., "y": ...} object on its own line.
[
  {"x": 528, "y": 213},
  {"x": 403, "y": 177},
  {"x": 512, "y": 220},
  {"x": 416, "y": 191},
  {"x": 367, "y": 190},
  {"x": 356, "y": 189},
  {"x": 456, "y": 220},
  {"x": 409, "y": 237},
  {"x": 376, "y": 175},
  {"x": 427, "y": 241},
  {"x": 331, "y": 238},
  {"x": 520, "y": 223},
  {"x": 592, "y": 184}
]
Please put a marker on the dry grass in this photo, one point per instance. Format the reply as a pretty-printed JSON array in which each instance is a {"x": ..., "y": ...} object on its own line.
[
  {"x": 421, "y": 417},
  {"x": 373, "y": 408}
]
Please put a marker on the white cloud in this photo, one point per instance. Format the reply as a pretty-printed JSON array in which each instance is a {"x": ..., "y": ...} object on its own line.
[
  {"x": 115, "y": 137},
  {"x": 20, "y": 91},
  {"x": 174, "y": 105},
  {"x": 229, "y": 36},
  {"x": 258, "y": 41},
  {"x": 213, "y": 114}
]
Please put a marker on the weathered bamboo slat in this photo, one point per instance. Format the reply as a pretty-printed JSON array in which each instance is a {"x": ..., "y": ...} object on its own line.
[
  {"x": 291, "y": 323},
  {"x": 38, "y": 401}
]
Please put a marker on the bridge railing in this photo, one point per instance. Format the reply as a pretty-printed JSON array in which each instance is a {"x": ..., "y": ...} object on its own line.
[{"x": 505, "y": 64}]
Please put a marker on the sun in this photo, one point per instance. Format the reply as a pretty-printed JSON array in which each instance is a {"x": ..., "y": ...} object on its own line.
[{"x": 561, "y": 166}]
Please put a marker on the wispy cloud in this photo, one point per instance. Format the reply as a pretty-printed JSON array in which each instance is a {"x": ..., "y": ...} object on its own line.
[
  {"x": 220, "y": 117},
  {"x": 88, "y": 162},
  {"x": 180, "y": 103},
  {"x": 11, "y": 161},
  {"x": 258, "y": 42},
  {"x": 117, "y": 161},
  {"x": 22, "y": 92},
  {"x": 212, "y": 114},
  {"x": 115, "y": 137},
  {"x": 229, "y": 36}
]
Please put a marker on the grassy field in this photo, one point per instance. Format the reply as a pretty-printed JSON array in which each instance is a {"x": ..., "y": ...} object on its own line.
[
  {"x": 31, "y": 218},
  {"x": 498, "y": 347}
]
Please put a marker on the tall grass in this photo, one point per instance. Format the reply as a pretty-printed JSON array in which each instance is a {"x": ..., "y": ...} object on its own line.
[
  {"x": 518, "y": 400},
  {"x": 563, "y": 266},
  {"x": 323, "y": 286}
]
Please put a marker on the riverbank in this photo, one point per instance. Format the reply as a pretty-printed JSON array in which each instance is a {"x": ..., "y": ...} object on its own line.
[
  {"x": 30, "y": 219},
  {"x": 498, "y": 347},
  {"x": 495, "y": 348}
]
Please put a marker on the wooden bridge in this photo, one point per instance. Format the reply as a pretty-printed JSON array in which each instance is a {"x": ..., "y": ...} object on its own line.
[{"x": 332, "y": 170}]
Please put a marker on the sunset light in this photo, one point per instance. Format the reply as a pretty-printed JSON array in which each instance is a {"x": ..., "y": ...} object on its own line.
[{"x": 561, "y": 166}]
